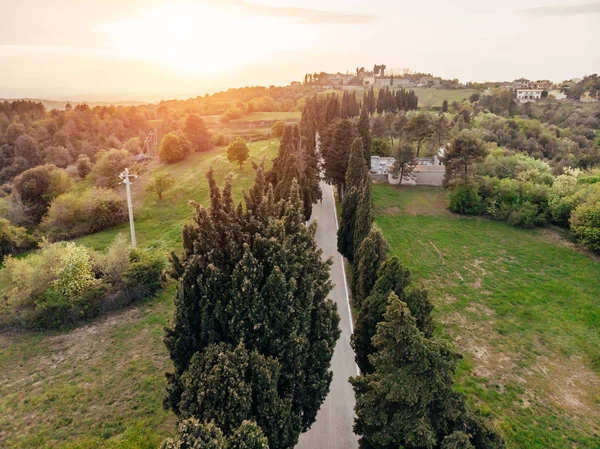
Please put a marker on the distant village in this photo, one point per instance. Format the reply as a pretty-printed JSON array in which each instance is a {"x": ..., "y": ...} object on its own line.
[{"x": 523, "y": 89}]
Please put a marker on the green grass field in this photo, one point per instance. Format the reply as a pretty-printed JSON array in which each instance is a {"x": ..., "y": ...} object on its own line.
[
  {"x": 523, "y": 306},
  {"x": 101, "y": 385},
  {"x": 430, "y": 98}
]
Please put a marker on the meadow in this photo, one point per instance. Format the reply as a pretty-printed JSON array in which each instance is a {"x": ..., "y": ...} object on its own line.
[{"x": 523, "y": 306}]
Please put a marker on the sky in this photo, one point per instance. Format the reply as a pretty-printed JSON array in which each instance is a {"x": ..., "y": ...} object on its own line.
[{"x": 129, "y": 48}]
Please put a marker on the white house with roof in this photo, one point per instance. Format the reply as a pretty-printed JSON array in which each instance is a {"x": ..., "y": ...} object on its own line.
[{"x": 526, "y": 95}]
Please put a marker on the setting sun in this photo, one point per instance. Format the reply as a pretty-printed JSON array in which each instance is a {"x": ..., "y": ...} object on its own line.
[{"x": 197, "y": 39}]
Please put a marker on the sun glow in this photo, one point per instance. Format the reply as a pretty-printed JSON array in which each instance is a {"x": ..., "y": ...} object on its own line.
[{"x": 198, "y": 39}]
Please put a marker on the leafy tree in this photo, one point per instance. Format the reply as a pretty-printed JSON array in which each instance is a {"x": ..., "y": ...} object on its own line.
[
  {"x": 252, "y": 277},
  {"x": 364, "y": 214},
  {"x": 419, "y": 129},
  {"x": 336, "y": 152},
  {"x": 238, "y": 152},
  {"x": 364, "y": 130},
  {"x": 440, "y": 131},
  {"x": 133, "y": 145},
  {"x": 277, "y": 129},
  {"x": 28, "y": 148},
  {"x": 380, "y": 147},
  {"x": 371, "y": 254},
  {"x": 38, "y": 186},
  {"x": 59, "y": 156},
  {"x": 474, "y": 97},
  {"x": 465, "y": 150},
  {"x": 108, "y": 167},
  {"x": 405, "y": 164},
  {"x": 445, "y": 106},
  {"x": 159, "y": 183},
  {"x": 84, "y": 165},
  {"x": 173, "y": 148},
  {"x": 197, "y": 133},
  {"x": 408, "y": 401}
]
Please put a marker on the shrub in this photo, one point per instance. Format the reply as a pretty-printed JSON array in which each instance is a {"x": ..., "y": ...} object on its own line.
[
  {"x": 464, "y": 199},
  {"x": 13, "y": 239},
  {"x": 109, "y": 165},
  {"x": 527, "y": 215},
  {"x": 585, "y": 225},
  {"x": 64, "y": 283},
  {"x": 72, "y": 214},
  {"x": 173, "y": 148}
]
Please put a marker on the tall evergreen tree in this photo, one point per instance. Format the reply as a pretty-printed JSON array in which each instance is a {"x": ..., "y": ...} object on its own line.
[
  {"x": 295, "y": 161},
  {"x": 357, "y": 170},
  {"x": 252, "y": 275},
  {"x": 371, "y": 254},
  {"x": 364, "y": 214},
  {"x": 335, "y": 148},
  {"x": 364, "y": 130},
  {"x": 408, "y": 401},
  {"x": 345, "y": 233}
]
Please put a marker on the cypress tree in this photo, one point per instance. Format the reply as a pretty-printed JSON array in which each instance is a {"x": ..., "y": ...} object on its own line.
[
  {"x": 371, "y": 254},
  {"x": 295, "y": 161},
  {"x": 336, "y": 144},
  {"x": 408, "y": 401},
  {"x": 392, "y": 278},
  {"x": 364, "y": 214},
  {"x": 345, "y": 234},
  {"x": 357, "y": 171},
  {"x": 364, "y": 130},
  {"x": 252, "y": 278}
]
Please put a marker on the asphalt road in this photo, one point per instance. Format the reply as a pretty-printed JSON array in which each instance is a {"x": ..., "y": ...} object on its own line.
[{"x": 333, "y": 428}]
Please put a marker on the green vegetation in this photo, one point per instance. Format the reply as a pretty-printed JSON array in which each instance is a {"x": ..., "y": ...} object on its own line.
[{"x": 522, "y": 305}]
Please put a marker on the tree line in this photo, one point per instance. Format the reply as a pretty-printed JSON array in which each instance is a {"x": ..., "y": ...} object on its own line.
[
  {"x": 253, "y": 331},
  {"x": 404, "y": 394}
]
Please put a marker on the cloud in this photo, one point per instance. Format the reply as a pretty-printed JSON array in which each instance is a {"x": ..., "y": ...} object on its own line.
[
  {"x": 563, "y": 10},
  {"x": 301, "y": 15}
]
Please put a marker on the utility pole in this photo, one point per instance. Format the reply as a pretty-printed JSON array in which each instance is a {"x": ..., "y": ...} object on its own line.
[{"x": 125, "y": 177}]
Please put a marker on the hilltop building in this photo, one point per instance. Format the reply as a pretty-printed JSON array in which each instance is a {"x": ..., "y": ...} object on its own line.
[{"x": 529, "y": 94}]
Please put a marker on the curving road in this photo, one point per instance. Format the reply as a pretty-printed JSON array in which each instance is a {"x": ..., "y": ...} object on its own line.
[{"x": 333, "y": 427}]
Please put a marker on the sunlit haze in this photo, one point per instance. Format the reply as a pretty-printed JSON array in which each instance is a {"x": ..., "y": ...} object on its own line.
[{"x": 80, "y": 47}]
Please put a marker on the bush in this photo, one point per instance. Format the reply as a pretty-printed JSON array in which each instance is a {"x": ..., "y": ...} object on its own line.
[
  {"x": 84, "y": 166},
  {"x": 527, "y": 215},
  {"x": 64, "y": 283},
  {"x": 109, "y": 165},
  {"x": 72, "y": 214},
  {"x": 585, "y": 225},
  {"x": 173, "y": 148},
  {"x": 464, "y": 199},
  {"x": 13, "y": 239}
]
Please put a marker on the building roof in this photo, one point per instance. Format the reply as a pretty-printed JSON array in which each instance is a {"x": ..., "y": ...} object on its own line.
[{"x": 531, "y": 89}]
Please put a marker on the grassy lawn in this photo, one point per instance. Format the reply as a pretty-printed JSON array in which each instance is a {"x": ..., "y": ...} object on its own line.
[
  {"x": 88, "y": 385},
  {"x": 429, "y": 98},
  {"x": 101, "y": 385},
  {"x": 523, "y": 306}
]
